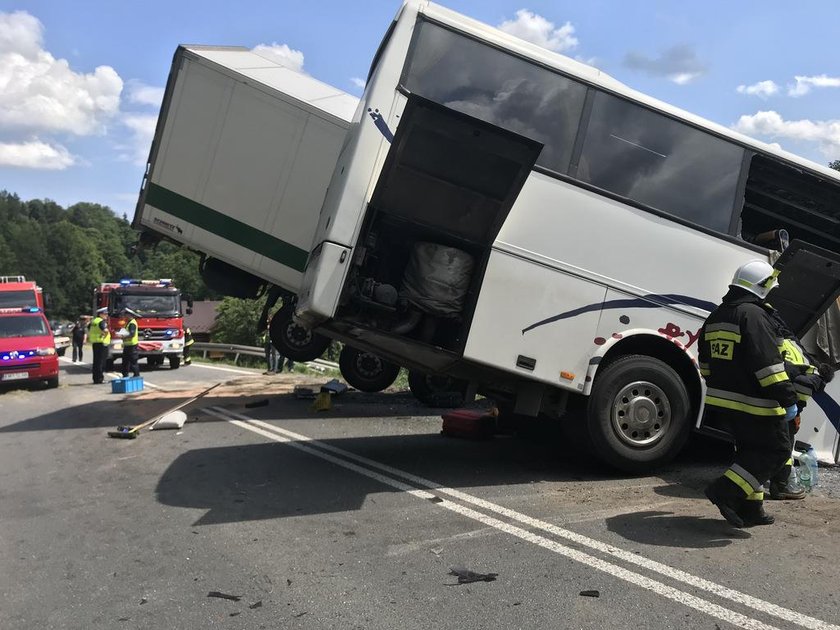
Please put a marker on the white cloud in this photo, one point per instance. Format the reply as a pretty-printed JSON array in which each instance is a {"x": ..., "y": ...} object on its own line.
[
  {"x": 40, "y": 92},
  {"x": 142, "y": 132},
  {"x": 282, "y": 54},
  {"x": 678, "y": 64},
  {"x": 359, "y": 83},
  {"x": 538, "y": 30},
  {"x": 35, "y": 154},
  {"x": 803, "y": 84},
  {"x": 825, "y": 133},
  {"x": 141, "y": 94},
  {"x": 762, "y": 89}
]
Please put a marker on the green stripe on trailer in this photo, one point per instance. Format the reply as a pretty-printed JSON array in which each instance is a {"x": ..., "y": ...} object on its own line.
[{"x": 226, "y": 227}]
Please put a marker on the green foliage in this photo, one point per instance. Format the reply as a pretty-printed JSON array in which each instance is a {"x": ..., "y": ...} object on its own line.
[
  {"x": 835, "y": 165},
  {"x": 236, "y": 321},
  {"x": 70, "y": 251}
]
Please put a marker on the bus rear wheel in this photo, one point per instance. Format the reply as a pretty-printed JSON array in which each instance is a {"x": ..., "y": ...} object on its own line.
[
  {"x": 292, "y": 340},
  {"x": 436, "y": 390},
  {"x": 366, "y": 371},
  {"x": 638, "y": 415}
]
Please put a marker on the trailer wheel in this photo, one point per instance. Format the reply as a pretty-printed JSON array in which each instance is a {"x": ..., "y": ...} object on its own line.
[
  {"x": 436, "y": 390},
  {"x": 366, "y": 371},
  {"x": 638, "y": 413},
  {"x": 292, "y": 340},
  {"x": 174, "y": 362}
]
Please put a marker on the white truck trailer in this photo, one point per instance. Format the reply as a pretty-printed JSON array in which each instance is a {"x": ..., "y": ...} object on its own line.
[{"x": 240, "y": 163}]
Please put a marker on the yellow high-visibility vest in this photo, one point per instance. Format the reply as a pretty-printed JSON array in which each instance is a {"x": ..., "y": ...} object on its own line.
[
  {"x": 134, "y": 339},
  {"x": 96, "y": 335}
]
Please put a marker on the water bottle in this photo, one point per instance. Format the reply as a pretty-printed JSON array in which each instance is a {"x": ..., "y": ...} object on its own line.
[
  {"x": 813, "y": 466},
  {"x": 805, "y": 469}
]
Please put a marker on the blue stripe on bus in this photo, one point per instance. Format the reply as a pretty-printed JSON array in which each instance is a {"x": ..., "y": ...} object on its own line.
[
  {"x": 830, "y": 408},
  {"x": 652, "y": 300}
]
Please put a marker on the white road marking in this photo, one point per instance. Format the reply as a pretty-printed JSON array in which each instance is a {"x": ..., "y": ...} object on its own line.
[
  {"x": 223, "y": 369},
  {"x": 317, "y": 448}
]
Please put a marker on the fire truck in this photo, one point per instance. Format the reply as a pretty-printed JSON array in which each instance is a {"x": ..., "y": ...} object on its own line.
[
  {"x": 16, "y": 291},
  {"x": 160, "y": 322}
]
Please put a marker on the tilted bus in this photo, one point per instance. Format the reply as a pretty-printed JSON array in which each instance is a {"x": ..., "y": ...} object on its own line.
[{"x": 598, "y": 227}]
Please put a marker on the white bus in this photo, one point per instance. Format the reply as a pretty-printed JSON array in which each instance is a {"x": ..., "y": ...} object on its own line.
[{"x": 521, "y": 225}]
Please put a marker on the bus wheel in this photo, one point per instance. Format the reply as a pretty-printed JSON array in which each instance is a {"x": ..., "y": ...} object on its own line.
[
  {"x": 294, "y": 341},
  {"x": 366, "y": 371},
  {"x": 638, "y": 414},
  {"x": 436, "y": 390}
]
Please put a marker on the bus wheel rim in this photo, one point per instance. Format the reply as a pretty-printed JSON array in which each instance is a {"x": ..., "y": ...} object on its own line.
[{"x": 641, "y": 414}]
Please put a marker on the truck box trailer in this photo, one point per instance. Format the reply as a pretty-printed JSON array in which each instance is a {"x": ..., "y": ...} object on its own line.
[{"x": 240, "y": 162}]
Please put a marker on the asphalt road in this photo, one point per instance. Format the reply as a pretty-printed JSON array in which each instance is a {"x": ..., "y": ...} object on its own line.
[{"x": 354, "y": 518}]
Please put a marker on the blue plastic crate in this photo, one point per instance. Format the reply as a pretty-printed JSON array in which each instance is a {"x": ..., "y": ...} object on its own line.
[{"x": 127, "y": 385}]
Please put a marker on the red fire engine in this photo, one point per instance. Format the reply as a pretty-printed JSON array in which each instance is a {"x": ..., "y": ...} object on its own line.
[
  {"x": 16, "y": 291},
  {"x": 160, "y": 322}
]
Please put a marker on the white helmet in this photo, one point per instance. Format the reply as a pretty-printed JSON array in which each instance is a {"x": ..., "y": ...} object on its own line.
[{"x": 757, "y": 277}]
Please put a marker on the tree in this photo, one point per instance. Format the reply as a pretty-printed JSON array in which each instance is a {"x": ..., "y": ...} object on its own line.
[
  {"x": 236, "y": 321},
  {"x": 835, "y": 165}
]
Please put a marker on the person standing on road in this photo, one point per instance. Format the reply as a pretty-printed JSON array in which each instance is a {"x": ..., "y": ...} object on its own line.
[
  {"x": 808, "y": 378},
  {"x": 78, "y": 336},
  {"x": 188, "y": 341},
  {"x": 271, "y": 355},
  {"x": 748, "y": 386},
  {"x": 100, "y": 339},
  {"x": 131, "y": 338}
]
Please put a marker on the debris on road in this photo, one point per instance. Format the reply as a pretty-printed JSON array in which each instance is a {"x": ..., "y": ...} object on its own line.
[
  {"x": 131, "y": 432},
  {"x": 472, "y": 424},
  {"x": 465, "y": 576},
  {"x": 256, "y": 605},
  {"x": 323, "y": 402},
  {"x": 304, "y": 393},
  {"x": 334, "y": 387},
  {"x": 173, "y": 420},
  {"x": 257, "y": 403},
  {"x": 220, "y": 595},
  {"x": 590, "y": 593}
]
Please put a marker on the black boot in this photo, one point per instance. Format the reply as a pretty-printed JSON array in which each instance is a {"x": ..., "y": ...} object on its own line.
[
  {"x": 752, "y": 513},
  {"x": 728, "y": 498}
]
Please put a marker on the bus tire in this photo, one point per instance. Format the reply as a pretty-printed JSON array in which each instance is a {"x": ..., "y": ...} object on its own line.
[
  {"x": 638, "y": 414},
  {"x": 174, "y": 362},
  {"x": 292, "y": 340},
  {"x": 436, "y": 390},
  {"x": 366, "y": 371}
]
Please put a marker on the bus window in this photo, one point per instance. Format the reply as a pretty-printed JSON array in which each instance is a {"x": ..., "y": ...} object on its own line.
[
  {"x": 779, "y": 196},
  {"x": 499, "y": 88},
  {"x": 659, "y": 162}
]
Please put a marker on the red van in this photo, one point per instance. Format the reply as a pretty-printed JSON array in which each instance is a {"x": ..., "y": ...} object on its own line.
[{"x": 27, "y": 349}]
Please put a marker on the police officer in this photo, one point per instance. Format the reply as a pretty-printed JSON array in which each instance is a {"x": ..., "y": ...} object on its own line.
[
  {"x": 131, "y": 338},
  {"x": 100, "y": 340},
  {"x": 188, "y": 341},
  {"x": 748, "y": 386}
]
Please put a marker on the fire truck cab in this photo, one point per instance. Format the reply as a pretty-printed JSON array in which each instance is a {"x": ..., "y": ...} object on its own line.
[
  {"x": 160, "y": 321},
  {"x": 17, "y": 292}
]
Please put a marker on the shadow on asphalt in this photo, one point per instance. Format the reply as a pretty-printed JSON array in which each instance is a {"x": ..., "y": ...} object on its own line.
[{"x": 665, "y": 529}]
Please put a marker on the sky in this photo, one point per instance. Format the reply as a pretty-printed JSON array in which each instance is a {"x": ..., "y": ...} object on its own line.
[{"x": 81, "y": 81}]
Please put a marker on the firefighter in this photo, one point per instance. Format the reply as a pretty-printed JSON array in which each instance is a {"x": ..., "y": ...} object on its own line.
[
  {"x": 100, "y": 340},
  {"x": 131, "y": 338},
  {"x": 188, "y": 341},
  {"x": 747, "y": 385},
  {"x": 808, "y": 378}
]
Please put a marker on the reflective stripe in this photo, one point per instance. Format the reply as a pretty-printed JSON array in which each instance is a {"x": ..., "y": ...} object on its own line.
[
  {"x": 773, "y": 378},
  {"x": 746, "y": 475},
  {"x": 705, "y": 372},
  {"x": 789, "y": 462},
  {"x": 722, "y": 334},
  {"x": 738, "y": 481},
  {"x": 736, "y": 406},
  {"x": 747, "y": 400},
  {"x": 773, "y": 369},
  {"x": 756, "y": 496},
  {"x": 794, "y": 353},
  {"x": 734, "y": 328}
]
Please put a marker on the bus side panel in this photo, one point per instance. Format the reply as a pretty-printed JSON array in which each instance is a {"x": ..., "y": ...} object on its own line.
[{"x": 527, "y": 310}]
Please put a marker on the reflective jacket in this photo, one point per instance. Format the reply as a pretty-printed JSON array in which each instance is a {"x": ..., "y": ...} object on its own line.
[
  {"x": 741, "y": 360},
  {"x": 96, "y": 334},
  {"x": 800, "y": 366},
  {"x": 133, "y": 334}
]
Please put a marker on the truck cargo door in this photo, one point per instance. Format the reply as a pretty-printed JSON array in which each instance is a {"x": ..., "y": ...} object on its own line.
[
  {"x": 452, "y": 172},
  {"x": 809, "y": 282}
]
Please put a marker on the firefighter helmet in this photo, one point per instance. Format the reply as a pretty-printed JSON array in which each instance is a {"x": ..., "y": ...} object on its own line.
[{"x": 757, "y": 277}]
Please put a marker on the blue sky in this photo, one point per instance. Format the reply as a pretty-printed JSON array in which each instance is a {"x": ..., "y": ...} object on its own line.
[{"x": 80, "y": 81}]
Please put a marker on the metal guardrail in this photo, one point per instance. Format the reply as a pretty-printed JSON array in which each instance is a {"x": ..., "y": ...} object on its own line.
[{"x": 253, "y": 351}]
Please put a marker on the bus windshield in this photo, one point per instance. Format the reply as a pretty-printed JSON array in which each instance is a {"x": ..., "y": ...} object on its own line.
[
  {"x": 12, "y": 299},
  {"x": 147, "y": 305},
  {"x": 23, "y": 326}
]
